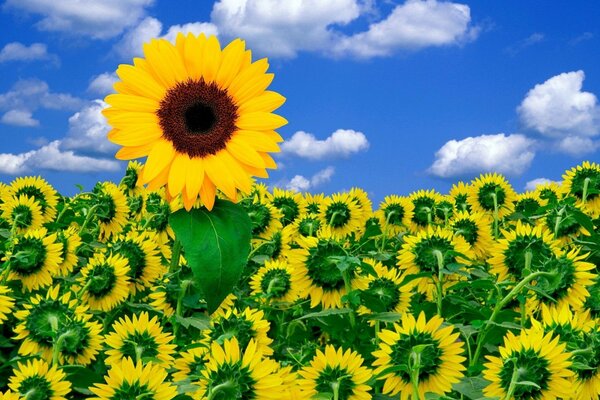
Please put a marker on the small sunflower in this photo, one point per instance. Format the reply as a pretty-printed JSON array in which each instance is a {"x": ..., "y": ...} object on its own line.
[
  {"x": 35, "y": 379},
  {"x": 190, "y": 363},
  {"x": 561, "y": 219},
  {"x": 491, "y": 193},
  {"x": 266, "y": 219},
  {"x": 201, "y": 115},
  {"x": 583, "y": 182},
  {"x": 163, "y": 297},
  {"x": 420, "y": 253},
  {"x": 235, "y": 372},
  {"x": 336, "y": 372},
  {"x": 307, "y": 225},
  {"x": 34, "y": 259},
  {"x": 460, "y": 193},
  {"x": 139, "y": 338},
  {"x": 277, "y": 281},
  {"x": 424, "y": 203},
  {"x": 395, "y": 214},
  {"x": 129, "y": 380},
  {"x": 585, "y": 347},
  {"x": 156, "y": 215},
  {"x": 131, "y": 181},
  {"x": 248, "y": 325},
  {"x": 527, "y": 207},
  {"x": 24, "y": 213},
  {"x": 38, "y": 189},
  {"x": 112, "y": 210},
  {"x": 476, "y": 229},
  {"x": 278, "y": 245},
  {"x": 80, "y": 340},
  {"x": 104, "y": 281},
  {"x": 532, "y": 357},
  {"x": 6, "y": 303},
  {"x": 361, "y": 198},
  {"x": 519, "y": 246},
  {"x": 70, "y": 240},
  {"x": 316, "y": 260},
  {"x": 291, "y": 204},
  {"x": 313, "y": 202},
  {"x": 549, "y": 192},
  {"x": 444, "y": 209},
  {"x": 438, "y": 348}
]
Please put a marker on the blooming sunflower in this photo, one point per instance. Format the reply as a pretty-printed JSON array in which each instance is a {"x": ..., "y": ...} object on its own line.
[
  {"x": 476, "y": 229},
  {"x": 278, "y": 245},
  {"x": 361, "y": 198},
  {"x": 420, "y": 253},
  {"x": 584, "y": 345},
  {"x": 79, "y": 340},
  {"x": 104, "y": 281},
  {"x": 291, "y": 204},
  {"x": 156, "y": 215},
  {"x": 40, "y": 190},
  {"x": 306, "y": 225},
  {"x": 34, "y": 259},
  {"x": 112, "y": 210},
  {"x": 313, "y": 202},
  {"x": 6, "y": 303},
  {"x": 36, "y": 380},
  {"x": 265, "y": 218},
  {"x": 9, "y": 395},
  {"x": 460, "y": 193},
  {"x": 277, "y": 281},
  {"x": 532, "y": 357},
  {"x": 131, "y": 179},
  {"x": 70, "y": 240},
  {"x": 561, "y": 219},
  {"x": 129, "y": 380},
  {"x": 519, "y": 246},
  {"x": 24, "y": 213},
  {"x": 491, "y": 193},
  {"x": 316, "y": 260},
  {"x": 438, "y": 348},
  {"x": 190, "y": 363},
  {"x": 583, "y": 182},
  {"x": 139, "y": 338},
  {"x": 336, "y": 372},
  {"x": 549, "y": 192},
  {"x": 444, "y": 209},
  {"x": 233, "y": 373},
  {"x": 424, "y": 202},
  {"x": 395, "y": 214},
  {"x": 201, "y": 115}
]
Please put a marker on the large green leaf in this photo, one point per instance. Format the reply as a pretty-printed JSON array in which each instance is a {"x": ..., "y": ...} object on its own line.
[{"x": 216, "y": 245}]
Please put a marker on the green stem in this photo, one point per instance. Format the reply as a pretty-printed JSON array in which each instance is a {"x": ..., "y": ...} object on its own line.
[
  {"x": 439, "y": 284},
  {"x": 586, "y": 183},
  {"x": 495, "y": 198},
  {"x": 499, "y": 306},
  {"x": 88, "y": 218},
  {"x": 558, "y": 221},
  {"x": 212, "y": 393},
  {"x": 348, "y": 287},
  {"x": 384, "y": 233},
  {"x": 336, "y": 390},
  {"x": 513, "y": 381},
  {"x": 185, "y": 284},
  {"x": 175, "y": 253},
  {"x": 62, "y": 212},
  {"x": 56, "y": 347},
  {"x": 415, "y": 367}
]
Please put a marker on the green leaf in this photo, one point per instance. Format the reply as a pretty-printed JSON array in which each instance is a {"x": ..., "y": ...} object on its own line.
[
  {"x": 216, "y": 245},
  {"x": 326, "y": 313},
  {"x": 199, "y": 322},
  {"x": 471, "y": 387}
]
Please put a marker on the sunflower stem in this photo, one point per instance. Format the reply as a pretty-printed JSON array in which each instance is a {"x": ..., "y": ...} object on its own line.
[
  {"x": 499, "y": 306},
  {"x": 185, "y": 284},
  {"x": 557, "y": 222},
  {"x": 214, "y": 391},
  {"x": 88, "y": 217},
  {"x": 439, "y": 284},
  {"x": 175, "y": 253},
  {"x": 513, "y": 381},
  {"x": 586, "y": 183},
  {"x": 495, "y": 198},
  {"x": 414, "y": 365},
  {"x": 57, "y": 345},
  {"x": 384, "y": 233}
]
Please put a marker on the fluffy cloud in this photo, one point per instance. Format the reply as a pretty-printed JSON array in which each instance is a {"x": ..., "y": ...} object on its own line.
[
  {"x": 195, "y": 27},
  {"x": 577, "y": 145},
  {"x": 510, "y": 155},
  {"x": 51, "y": 157},
  {"x": 31, "y": 94},
  {"x": 559, "y": 107},
  {"x": 413, "y": 25},
  {"x": 88, "y": 129},
  {"x": 99, "y": 19},
  {"x": 533, "y": 184},
  {"x": 16, "y": 51},
  {"x": 300, "y": 183},
  {"x": 103, "y": 84},
  {"x": 19, "y": 118},
  {"x": 341, "y": 143}
]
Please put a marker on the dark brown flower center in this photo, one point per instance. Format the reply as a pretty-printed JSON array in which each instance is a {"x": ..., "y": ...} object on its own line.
[{"x": 198, "y": 118}]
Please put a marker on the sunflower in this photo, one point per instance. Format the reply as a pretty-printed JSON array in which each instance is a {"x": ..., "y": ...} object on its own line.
[
  {"x": 532, "y": 357},
  {"x": 40, "y": 190},
  {"x": 142, "y": 258},
  {"x": 79, "y": 340},
  {"x": 202, "y": 115},
  {"x": 549, "y": 192},
  {"x": 424, "y": 202},
  {"x": 260, "y": 192},
  {"x": 112, "y": 210},
  {"x": 583, "y": 182},
  {"x": 70, "y": 240},
  {"x": 34, "y": 259},
  {"x": 6, "y": 303},
  {"x": 248, "y": 325},
  {"x": 278, "y": 245},
  {"x": 313, "y": 202},
  {"x": 233, "y": 372},
  {"x": 316, "y": 260},
  {"x": 437, "y": 348},
  {"x": 476, "y": 229},
  {"x": 130, "y": 182},
  {"x": 139, "y": 338},
  {"x": 570, "y": 285},
  {"x": 190, "y": 363},
  {"x": 307, "y": 225},
  {"x": 460, "y": 193},
  {"x": 361, "y": 198},
  {"x": 265, "y": 218},
  {"x": 491, "y": 193},
  {"x": 104, "y": 281},
  {"x": 9, "y": 395},
  {"x": 129, "y": 380},
  {"x": 522, "y": 245},
  {"x": 561, "y": 219},
  {"x": 24, "y": 213},
  {"x": 395, "y": 214},
  {"x": 423, "y": 252},
  {"x": 291, "y": 204},
  {"x": 444, "y": 209},
  {"x": 585, "y": 347},
  {"x": 527, "y": 207},
  {"x": 156, "y": 215},
  {"x": 277, "y": 281},
  {"x": 36, "y": 380},
  {"x": 336, "y": 372}
]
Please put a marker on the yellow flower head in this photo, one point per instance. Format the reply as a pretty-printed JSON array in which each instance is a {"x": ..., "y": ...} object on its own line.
[{"x": 35, "y": 379}]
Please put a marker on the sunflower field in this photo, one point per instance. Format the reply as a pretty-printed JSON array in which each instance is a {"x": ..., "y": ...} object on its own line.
[{"x": 190, "y": 280}]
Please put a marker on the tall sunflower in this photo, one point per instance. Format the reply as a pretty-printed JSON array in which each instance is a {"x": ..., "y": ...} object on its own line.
[
  {"x": 440, "y": 363},
  {"x": 336, "y": 372},
  {"x": 201, "y": 115},
  {"x": 532, "y": 357},
  {"x": 23, "y": 212},
  {"x": 476, "y": 229},
  {"x": 104, "y": 281},
  {"x": 112, "y": 211},
  {"x": 583, "y": 182},
  {"x": 491, "y": 193},
  {"x": 40, "y": 190},
  {"x": 395, "y": 214},
  {"x": 35, "y": 379},
  {"x": 278, "y": 281}
]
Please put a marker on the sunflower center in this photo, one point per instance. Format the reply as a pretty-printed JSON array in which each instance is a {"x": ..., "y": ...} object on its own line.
[
  {"x": 460, "y": 201},
  {"x": 288, "y": 207},
  {"x": 444, "y": 210},
  {"x": 486, "y": 193},
  {"x": 139, "y": 345},
  {"x": 102, "y": 280},
  {"x": 28, "y": 256},
  {"x": 338, "y": 377},
  {"x": 532, "y": 368},
  {"x": 276, "y": 283},
  {"x": 36, "y": 388},
  {"x": 423, "y": 212},
  {"x": 322, "y": 266},
  {"x": 198, "y": 118},
  {"x": 23, "y": 215},
  {"x": 430, "y": 356}
]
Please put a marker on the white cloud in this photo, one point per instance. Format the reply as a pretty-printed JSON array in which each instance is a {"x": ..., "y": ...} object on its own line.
[
  {"x": 510, "y": 155},
  {"x": 195, "y": 27},
  {"x": 88, "y": 129},
  {"x": 411, "y": 26},
  {"x": 300, "y": 183},
  {"x": 577, "y": 145},
  {"x": 103, "y": 84},
  {"x": 16, "y": 51},
  {"x": 51, "y": 157},
  {"x": 31, "y": 94},
  {"x": 19, "y": 118},
  {"x": 341, "y": 143},
  {"x": 99, "y": 19},
  {"x": 559, "y": 107},
  {"x": 533, "y": 184}
]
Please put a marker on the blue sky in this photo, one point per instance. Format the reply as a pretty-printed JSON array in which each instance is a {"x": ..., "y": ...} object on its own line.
[{"x": 390, "y": 96}]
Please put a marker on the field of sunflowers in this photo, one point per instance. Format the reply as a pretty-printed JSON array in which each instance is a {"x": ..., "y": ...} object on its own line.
[{"x": 190, "y": 280}]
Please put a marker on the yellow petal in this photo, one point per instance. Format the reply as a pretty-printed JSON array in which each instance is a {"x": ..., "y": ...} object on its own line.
[
  {"x": 161, "y": 179},
  {"x": 128, "y": 153},
  {"x": 132, "y": 103},
  {"x": 140, "y": 82},
  {"x": 165, "y": 62},
  {"x": 177, "y": 174},
  {"x": 161, "y": 155},
  {"x": 124, "y": 120},
  {"x": 257, "y": 140},
  {"x": 240, "y": 177},
  {"x": 194, "y": 177},
  {"x": 135, "y": 135},
  {"x": 255, "y": 69},
  {"x": 253, "y": 87},
  {"x": 218, "y": 174},
  {"x": 260, "y": 121},
  {"x": 211, "y": 59},
  {"x": 246, "y": 154},
  {"x": 258, "y": 172},
  {"x": 194, "y": 48},
  {"x": 267, "y": 101},
  {"x": 180, "y": 44},
  {"x": 233, "y": 57},
  {"x": 208, "y": 192},
  {"x": 269, "y": 162}
]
